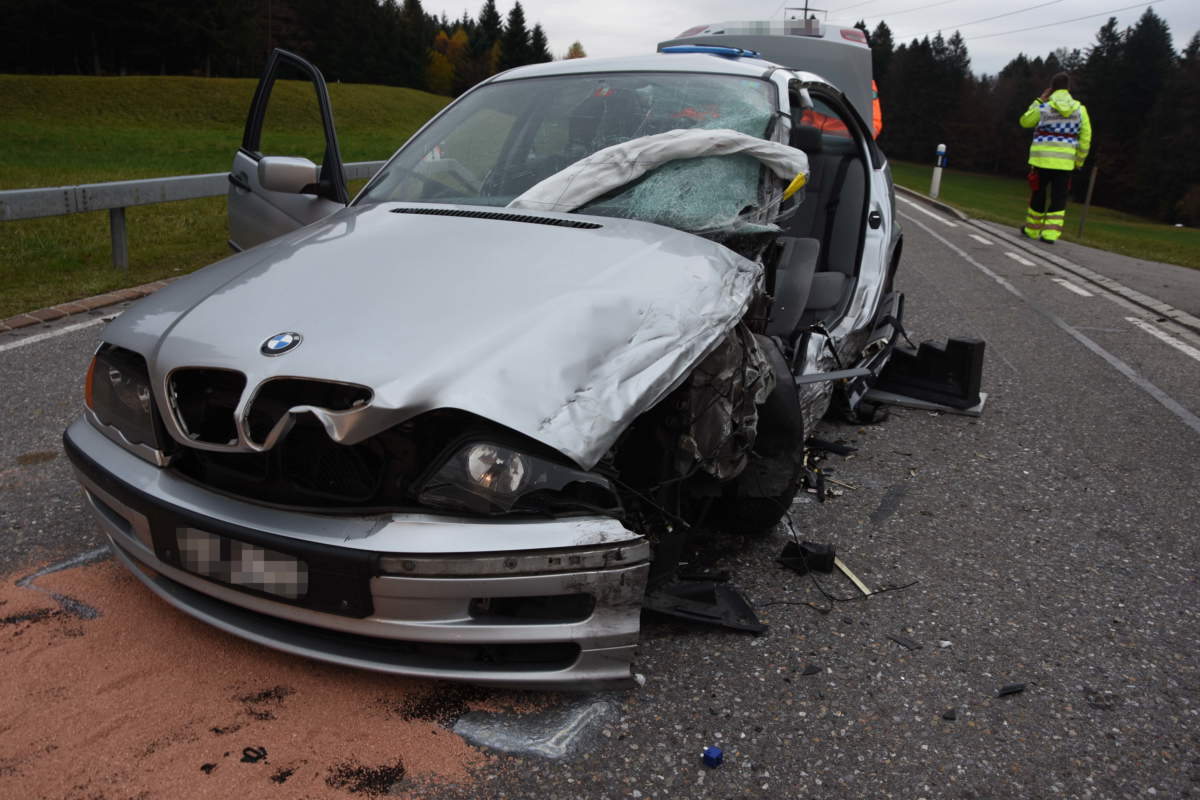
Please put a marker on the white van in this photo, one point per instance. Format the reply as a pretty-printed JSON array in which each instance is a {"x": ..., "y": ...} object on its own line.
[{"x": 840, "y": 55}]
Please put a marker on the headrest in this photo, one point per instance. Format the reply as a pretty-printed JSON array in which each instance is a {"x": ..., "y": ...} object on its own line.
[{"x": 806, "y": 138}]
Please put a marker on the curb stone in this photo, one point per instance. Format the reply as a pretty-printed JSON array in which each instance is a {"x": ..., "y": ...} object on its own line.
[
  {"x": 82, "y": 306},
  {"x": 1144, "y": 301}
]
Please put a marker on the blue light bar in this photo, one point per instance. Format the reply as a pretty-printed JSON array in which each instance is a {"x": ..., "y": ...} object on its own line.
[{"x": 725, "y": 52}]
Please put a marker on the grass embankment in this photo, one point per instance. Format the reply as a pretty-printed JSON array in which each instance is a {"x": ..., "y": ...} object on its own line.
[
  {"x": 65, "y": 130},
  {"x": 1004, "y": 200}
]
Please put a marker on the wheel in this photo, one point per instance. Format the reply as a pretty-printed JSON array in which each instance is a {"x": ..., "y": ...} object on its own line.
[{"x": 755, "y": 514}]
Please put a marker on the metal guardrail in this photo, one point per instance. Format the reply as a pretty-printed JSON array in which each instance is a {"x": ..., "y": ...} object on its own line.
[{"x": 116, "y": 196}]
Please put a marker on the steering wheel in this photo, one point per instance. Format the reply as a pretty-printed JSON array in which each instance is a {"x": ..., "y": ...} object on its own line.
[{"x": 435, "y": 187}]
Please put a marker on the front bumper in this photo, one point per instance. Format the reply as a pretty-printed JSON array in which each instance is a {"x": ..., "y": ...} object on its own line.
[{"x": 432, "y": 619}]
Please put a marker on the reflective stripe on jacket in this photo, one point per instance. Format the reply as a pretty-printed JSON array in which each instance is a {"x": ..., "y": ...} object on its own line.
[{"x": 1062, "y": 132}]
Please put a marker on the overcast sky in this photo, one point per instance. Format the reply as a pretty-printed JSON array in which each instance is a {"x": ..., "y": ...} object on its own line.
[{"x": 631, "y": 27}]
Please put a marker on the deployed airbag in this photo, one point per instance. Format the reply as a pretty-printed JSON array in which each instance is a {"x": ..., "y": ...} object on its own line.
[{"x": 618, "y": 165}]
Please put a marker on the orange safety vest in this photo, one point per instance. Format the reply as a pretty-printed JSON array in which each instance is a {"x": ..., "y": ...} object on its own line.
[
  {"x": 824, "y": 122},
  {"x": 876, "y": 111}
]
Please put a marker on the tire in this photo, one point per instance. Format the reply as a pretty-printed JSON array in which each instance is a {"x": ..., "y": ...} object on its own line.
[
  {"x": 749, "y": 516},
  {"x": 745, "y": 514}
]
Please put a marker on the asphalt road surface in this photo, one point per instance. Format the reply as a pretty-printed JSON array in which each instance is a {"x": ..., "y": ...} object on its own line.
[{"x": 1053, "y": 542}]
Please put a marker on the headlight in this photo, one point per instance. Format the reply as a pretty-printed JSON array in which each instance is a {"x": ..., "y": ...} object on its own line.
[
  {"x": 495, "y": 469},
  {"x": 488, "y": 478},
  {"x": 118, "y": 392}
]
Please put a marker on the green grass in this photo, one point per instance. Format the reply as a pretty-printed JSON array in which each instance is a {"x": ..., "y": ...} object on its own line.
[
  {"x": 1004, "y": 200},
  {"x": 63, "y": 130}
]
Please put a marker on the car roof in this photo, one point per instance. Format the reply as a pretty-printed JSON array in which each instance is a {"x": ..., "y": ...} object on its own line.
[{"x": 656, "y": 62}]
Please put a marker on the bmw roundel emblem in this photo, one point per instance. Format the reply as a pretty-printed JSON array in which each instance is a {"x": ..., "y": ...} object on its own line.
[{"x": 280, "y": 343}]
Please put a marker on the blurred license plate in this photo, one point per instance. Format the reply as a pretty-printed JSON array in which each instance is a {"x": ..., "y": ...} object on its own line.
[{"x": 240, "y": 564}]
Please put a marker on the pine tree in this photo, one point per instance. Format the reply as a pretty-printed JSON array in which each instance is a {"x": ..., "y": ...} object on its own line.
[
  {"x": 488, "y": 29},
  {"x": 1186, "y": 93},
  {"x": 539, "y": 48},
  {"x": 514, "y": 42},
  {"x": 882, "y": 47},
  {"x": 1162, "y": 177},
  {"x": 1147, "y": 60}
]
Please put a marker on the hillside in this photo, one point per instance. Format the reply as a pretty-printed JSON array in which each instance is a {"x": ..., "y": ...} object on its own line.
[
  {"x": 60, "y": 130},
  {"x": 71, "y": 129}
]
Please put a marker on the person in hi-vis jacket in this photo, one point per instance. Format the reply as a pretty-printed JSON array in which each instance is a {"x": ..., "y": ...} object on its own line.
[{"x": 1061, "y": 137}]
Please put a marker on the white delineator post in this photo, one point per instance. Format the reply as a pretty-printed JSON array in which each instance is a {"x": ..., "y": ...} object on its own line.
[{"x": 935, "y": 185}]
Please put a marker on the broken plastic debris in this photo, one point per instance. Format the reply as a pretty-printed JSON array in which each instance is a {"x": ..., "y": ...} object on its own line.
[
  {"x": 808, "y": 555},
  {"x": 252, "y": 755},
  {"x": 713, "y": 757},
  {"x": 862, "y": 587},
  {"x": 639, "y": 679},
  {"x": 811, "y": 669},
  {"x": 554, "y": 733},
  {"x": 904, "y": 641},
  {"x": 1012, "y": 688},
  {"x": 950, "y": 714}
]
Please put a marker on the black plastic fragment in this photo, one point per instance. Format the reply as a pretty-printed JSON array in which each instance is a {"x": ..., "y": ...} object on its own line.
[
  {"x": 708, "y": 603},
  {"x": 950, "y": 714},
  {"x": 207, "y": 768},
  {"x": 950, "y": 375},
  {"x": 811, "y": 669},
  {"x": 252, "y": 755},
  {"x": 1012, "y": 688},
  {"x": 904, "y": 641},
  {"x": 807, "y": 556}
]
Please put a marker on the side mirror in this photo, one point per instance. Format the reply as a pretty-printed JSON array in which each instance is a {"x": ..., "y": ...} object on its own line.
[{"x": 288, "y": 174}]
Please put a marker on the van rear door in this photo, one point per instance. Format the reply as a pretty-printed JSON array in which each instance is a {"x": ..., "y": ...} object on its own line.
[{"x": 839, "y": 55}]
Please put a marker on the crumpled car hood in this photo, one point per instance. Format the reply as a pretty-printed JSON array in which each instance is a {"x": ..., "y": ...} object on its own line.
[{"x": 561, "y": 333}]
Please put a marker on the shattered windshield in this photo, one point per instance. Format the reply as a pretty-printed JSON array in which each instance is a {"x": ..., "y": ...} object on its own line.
[{"x": 505, "y": 138}]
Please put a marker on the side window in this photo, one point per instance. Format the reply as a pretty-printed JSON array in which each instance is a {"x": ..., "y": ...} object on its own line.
[
  {"x": 292, "y": 124},
  {"x": 835, "y": 130}
]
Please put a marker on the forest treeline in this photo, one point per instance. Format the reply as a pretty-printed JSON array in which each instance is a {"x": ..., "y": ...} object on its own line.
[
  {"x": 357, "y": 41},
  {"x": 1141, "y": 93},
  {"x": 1143, "y": 98}
]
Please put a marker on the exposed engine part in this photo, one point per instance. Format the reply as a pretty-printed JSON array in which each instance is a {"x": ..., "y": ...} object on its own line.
[{"x": 719, "y": 402}]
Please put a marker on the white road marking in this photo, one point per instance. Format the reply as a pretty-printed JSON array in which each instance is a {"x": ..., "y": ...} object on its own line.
[
  {"x": 1070, "y": 287},
  {"x": 981, "y": 239},
  {"x": 1020, "y": 259},
  {"x": 1168, "y": 402},
  {"x": 927, "y": 212},
  {"x": 1182, "y": 347},
  {"x": 41, "y": 337}
]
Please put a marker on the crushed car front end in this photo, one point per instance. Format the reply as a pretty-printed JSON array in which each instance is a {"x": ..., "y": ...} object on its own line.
[
  {"x": 525, "y": 602},
  {"x": 440, "y": 503}
]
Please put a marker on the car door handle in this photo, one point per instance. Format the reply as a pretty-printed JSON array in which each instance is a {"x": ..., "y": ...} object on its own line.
[
  {"x": 875, "y": 218},
  {"x": 239, "y": 180}
]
